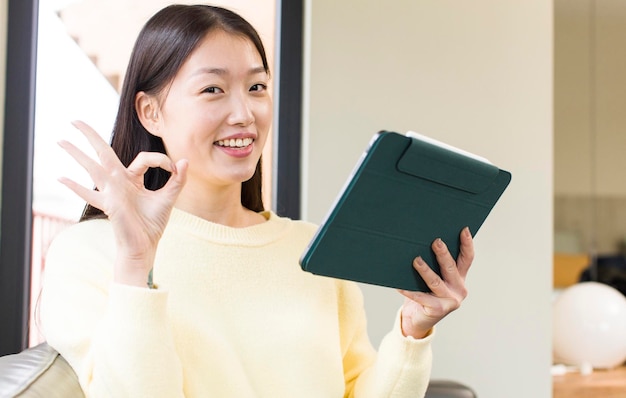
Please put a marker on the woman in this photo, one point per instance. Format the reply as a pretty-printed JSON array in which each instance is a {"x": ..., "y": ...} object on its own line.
[{"x": 180, "y": 284}]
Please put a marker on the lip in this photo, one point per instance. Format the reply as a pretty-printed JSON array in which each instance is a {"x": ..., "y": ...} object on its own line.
[{"x": 237, "y": 152}]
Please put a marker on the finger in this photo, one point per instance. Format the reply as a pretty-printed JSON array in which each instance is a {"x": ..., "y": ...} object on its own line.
[
  {"x": 88, "y": 195},
  {"x": 430, "y": 277},
  {"x": 93, "y": 168},
  {"x": 146, "y": 160},
  {"x": 178, "y": 178},
  {"x": 466, "y": 254},
  {"x": 104, "y": 151},
  {"x": 447, "y": 264}
]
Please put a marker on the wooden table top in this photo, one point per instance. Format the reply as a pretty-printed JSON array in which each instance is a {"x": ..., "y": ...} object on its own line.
[{"x": 601, "y": 383}]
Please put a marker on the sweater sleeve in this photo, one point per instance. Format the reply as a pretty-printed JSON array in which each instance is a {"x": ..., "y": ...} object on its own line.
[
  {"x": 116, "y": 337},
  {"x": 402, "y": 366}
]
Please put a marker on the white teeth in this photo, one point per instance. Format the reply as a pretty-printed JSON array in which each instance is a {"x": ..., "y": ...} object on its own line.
[{"x": 235, "y": 143}]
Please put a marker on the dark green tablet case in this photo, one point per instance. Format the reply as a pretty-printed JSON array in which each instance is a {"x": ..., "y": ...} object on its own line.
[{"x": 403, "y": 194}]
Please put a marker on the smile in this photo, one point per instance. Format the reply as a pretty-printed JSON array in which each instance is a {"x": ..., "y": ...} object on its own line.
[{"x": 235, "y": 143}]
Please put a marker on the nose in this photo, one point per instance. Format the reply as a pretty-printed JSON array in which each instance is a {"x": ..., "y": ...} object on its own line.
[{"x": 241, "y": 111}]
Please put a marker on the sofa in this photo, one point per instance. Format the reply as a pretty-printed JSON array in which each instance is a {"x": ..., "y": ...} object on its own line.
[{"x": 40, "y": 372}]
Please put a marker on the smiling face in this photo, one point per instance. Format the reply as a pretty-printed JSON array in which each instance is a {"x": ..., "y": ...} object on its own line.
[{"x": 217, "y": 112}]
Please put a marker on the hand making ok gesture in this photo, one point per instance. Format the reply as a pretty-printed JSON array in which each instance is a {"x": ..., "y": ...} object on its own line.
[{"x": 138, "y": 215}]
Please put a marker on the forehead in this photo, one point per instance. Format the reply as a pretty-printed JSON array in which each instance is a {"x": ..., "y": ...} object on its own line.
[{"x": 219, "y": 49}]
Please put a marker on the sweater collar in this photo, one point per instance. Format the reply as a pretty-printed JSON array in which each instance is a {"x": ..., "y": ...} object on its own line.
[{"x": 256, "y": 235}]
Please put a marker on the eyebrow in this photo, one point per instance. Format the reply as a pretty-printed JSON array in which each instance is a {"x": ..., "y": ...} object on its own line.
[{"x": 222, "y": 71}]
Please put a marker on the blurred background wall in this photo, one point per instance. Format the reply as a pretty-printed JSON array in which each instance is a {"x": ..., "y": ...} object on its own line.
[{"x": 477, "y": 75}]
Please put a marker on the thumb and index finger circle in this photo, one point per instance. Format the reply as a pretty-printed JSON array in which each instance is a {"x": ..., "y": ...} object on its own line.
[{"x": 141, "y": 163}]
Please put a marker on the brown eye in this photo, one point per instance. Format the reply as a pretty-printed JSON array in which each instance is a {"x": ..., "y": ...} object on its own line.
[
  {"x": 258, "y": 87},
  {"x": 212, "y": 90}
]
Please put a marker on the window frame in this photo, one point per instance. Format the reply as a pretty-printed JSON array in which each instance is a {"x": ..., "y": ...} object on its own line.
[{"x": 17, "y": 176}]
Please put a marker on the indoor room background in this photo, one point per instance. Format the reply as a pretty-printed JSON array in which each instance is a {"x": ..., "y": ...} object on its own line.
[{"x": 477, "y": 75}]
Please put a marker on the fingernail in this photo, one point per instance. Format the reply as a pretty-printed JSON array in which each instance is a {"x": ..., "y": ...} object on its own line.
[
  {"x": 419, "y": 261},
  {"x": 467, "y": 232},
  {"x": 439, "y": 243}
]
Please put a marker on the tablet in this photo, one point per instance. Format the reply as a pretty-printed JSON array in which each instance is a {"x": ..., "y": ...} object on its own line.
[{"x": 405, "y": 191}]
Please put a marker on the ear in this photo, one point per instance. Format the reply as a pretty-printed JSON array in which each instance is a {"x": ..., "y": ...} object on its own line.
[{"x": 147, "y": 108}]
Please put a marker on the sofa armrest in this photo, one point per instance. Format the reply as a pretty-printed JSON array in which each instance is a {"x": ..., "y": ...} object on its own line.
[{"x": 38, "y": 372}]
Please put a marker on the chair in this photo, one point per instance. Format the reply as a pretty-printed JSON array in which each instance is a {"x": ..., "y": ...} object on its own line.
[{"x": 40, "y": 372}]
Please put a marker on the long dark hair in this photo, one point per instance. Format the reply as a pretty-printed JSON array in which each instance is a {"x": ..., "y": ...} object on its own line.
[{"x": 163, "y": 45}]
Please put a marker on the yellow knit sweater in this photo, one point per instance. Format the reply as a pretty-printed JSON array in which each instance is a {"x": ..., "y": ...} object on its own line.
[{"x": 234, "y": 316}]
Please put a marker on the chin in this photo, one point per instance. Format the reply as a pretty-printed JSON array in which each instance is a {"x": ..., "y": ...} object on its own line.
[
  {"x": 235, "y": 173},
  {"x": 245, "y": 176}
]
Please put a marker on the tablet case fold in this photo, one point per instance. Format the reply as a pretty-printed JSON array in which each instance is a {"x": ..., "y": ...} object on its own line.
[{"x": 403, "y": 194}]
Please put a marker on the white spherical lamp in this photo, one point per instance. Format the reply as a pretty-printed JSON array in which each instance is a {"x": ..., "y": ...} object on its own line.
[{"x": 589, "y": 326}]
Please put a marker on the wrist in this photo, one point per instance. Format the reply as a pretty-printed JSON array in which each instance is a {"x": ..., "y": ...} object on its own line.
[
  {"x": 133, "y": 271},
  {"x": 408, "y": 329},
  {"x": 416, "y": 334}
]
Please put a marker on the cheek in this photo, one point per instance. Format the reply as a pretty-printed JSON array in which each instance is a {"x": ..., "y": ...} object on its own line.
[
  {"x": 191, "y": 130},
  {"x": 264, "y": 116},
  {"x": 178, "y": 142},
  {"x": 267, "y": 110}
]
